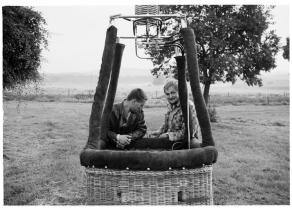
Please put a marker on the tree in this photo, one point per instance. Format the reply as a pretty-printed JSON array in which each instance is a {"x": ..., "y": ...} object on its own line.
[
  {"x": 286, "y": 49},
  {"x": 232, "y": 42},
  {"x": 24, "y": 37}
]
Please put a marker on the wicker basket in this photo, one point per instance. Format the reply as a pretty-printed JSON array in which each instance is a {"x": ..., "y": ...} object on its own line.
[{"x": 186, "y": 186}]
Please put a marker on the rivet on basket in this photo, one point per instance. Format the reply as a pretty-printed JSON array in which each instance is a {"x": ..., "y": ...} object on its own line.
[
  {"x": 127, "y": 168},
  {"x": 183, "y": 168},
  {"x": 169, "y": 168},
  {"x": 93, "y": 166},
  {"x": 105, "y": 166},
  {"x": 148, "y": 169}
]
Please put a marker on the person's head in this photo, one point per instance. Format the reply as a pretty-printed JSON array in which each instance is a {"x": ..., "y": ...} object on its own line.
[
  {"x": 171, "y": 91},
  {"x": 136, "y": 99}
]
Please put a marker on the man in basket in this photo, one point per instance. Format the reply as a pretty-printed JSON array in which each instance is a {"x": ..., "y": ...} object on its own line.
[
  {"x": 173, "y": 127},
  {"x": 126, "y": 123}
]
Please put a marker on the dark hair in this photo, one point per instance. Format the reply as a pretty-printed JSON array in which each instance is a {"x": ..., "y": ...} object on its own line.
[{"x": 137, "y": 94}]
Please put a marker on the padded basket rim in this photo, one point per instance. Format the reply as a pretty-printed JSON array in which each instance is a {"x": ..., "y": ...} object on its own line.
[
  {"x": 155, "y": 160},
  {"x": 108, "y": 171}
]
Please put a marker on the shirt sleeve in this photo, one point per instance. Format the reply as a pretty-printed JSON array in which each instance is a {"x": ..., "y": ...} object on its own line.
[
  {"x": 162, "y": 129},
  {"x": 164, "y": 126},
  {"x": 193, "y": 117},
  {"x": 179, "y": 132},
  {"x": 141, "y": 128},
  {"x": 112, "y": 123}
]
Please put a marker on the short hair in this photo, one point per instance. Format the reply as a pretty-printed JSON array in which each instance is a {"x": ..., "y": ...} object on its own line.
[
  {"x": 138, "y": 94},
  {"x": 171, "y": 83}
]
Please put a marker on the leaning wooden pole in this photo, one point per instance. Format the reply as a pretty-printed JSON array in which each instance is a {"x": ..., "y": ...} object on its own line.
[
  {"x": 111, "y": 91},
  {"x": 101, "y": 89},
  {"x": 183, "y": 97},
  {"x": 193, "y": 69}
]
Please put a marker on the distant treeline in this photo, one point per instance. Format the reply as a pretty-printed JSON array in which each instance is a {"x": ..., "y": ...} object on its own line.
[{"x": 156, "y": 99}]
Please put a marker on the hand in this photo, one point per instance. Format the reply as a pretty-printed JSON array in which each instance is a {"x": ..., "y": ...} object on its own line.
[
  {"x": 123, "y": 140},
  {"x": 154, "y": 134},
  {"x": 163, "y": 135}
]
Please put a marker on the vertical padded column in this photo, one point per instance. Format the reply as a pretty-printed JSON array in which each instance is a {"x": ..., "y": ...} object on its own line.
[
  {"x": 111, "y": 90},
  {"x": 101, "y": 89},
  {"x": 193, "y": 69},
  {"x": 183, "y": 96}
]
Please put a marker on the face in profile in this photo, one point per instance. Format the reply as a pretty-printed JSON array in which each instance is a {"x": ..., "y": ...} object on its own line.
[
  {"x": 136, "y": 106},
  {"x": 171, "y": 95}
]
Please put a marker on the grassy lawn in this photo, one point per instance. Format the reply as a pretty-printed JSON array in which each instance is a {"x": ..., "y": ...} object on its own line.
[{"x": 42, "y": 142}]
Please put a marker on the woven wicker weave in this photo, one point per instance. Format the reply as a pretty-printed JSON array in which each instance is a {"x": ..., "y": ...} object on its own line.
[{"x": 188, "y": 186}]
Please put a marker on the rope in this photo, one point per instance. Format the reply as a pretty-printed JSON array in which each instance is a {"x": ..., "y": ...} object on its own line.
[{"x": 188, "y": 122}]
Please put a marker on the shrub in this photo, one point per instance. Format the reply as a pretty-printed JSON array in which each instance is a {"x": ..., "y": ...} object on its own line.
[
  {"x": 24, "y": 38},
  {"x": 212, "y": 113}
]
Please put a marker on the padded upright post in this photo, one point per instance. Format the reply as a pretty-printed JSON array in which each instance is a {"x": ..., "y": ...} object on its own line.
[
  {"x": 183, "y": 96},
  {"x": 193, "y": 69},
  {"x": 101, "y": 89},
  {"x": 111, "y": 90}
]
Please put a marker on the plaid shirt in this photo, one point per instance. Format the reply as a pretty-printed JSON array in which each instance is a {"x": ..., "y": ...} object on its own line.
[{"x": 174, "y": 124}]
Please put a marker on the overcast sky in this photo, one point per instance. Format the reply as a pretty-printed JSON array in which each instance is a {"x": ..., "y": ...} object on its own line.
[{"x": 77, "y": 35}]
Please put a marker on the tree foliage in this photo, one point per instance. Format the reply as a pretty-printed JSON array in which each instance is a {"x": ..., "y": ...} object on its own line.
[
  {"x": 286, "y": 50},
  {"x": 24, "y": 37},
  {"x": 233, "y": 42}
]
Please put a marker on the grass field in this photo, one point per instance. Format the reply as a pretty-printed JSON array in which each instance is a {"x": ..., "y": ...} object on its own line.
[{"x": 42, "y": 142}]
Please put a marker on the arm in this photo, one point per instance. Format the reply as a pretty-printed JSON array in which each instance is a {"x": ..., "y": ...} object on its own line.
[
  {"x": 161, "y": 130},
  {"x": 112, "y": 135},
  {"x": 141, "y": 127},
  {"x": 194, "y": 120},
  {"x": 180, "y": 129},
  {"x": 177, "y": 135},
  {"x": 158, "y": 132},
  {"x": 119, "y": 140}
]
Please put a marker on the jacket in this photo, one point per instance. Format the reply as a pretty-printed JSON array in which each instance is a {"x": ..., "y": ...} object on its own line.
[{"x": 133, "y": 124}]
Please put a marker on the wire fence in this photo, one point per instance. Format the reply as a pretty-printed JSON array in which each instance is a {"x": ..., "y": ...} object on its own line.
[{"x": 155, "y": 98}]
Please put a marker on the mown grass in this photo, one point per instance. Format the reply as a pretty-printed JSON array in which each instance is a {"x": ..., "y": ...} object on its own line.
[
  {"x": 254, "y": 155},
  {"x": 42, "y": 142}
]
